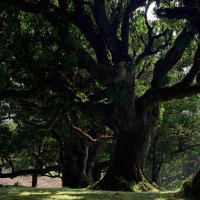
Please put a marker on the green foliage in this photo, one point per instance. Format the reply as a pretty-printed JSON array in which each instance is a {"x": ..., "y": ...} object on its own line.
[
  {"x": 37, "y": 55},
  {"x": 178, "y": 141}
]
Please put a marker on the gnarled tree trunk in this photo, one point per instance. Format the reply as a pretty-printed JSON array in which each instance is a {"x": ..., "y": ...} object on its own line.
[{"x": 132, "y": 141}]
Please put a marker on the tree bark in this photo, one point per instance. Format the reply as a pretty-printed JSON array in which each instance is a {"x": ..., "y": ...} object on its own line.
[
  {"x": 34, "y": 180},
  {"x": 77, "y": 162},
  {"x": 73, "y": 167},
  {"x": 155, "y": 164},
  {"x": 132, "y": 141}
]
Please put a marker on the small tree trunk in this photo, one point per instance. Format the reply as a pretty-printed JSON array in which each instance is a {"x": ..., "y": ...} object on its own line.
[
  {"x": 70, "y": 177},
  {"x": 155, "y": 165},
  {"x": 34, "y": 180},
  {"x": 90, "y": 163},
  {"x": 74, "y": 166}
]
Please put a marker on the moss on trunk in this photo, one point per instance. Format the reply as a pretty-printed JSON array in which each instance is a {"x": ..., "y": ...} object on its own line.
[{"x": 119, "y": 184}]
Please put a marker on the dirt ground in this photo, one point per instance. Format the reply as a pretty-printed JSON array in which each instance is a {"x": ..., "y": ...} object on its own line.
[{"x": 43, "y": 182}]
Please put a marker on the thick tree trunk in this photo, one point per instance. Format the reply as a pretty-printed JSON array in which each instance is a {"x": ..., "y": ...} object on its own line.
[{"x": 132, "y": 141}]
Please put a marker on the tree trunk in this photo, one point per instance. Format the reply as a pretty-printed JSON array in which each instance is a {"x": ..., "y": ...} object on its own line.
[
  {"x": 71, "y": 177},
  {"x": 73, "y": 165},
  {"x": 132, "y": 142},
  {"x": 156, "y": 163},
  {"x": 77, "y": 164},
  {"x": 34, "y": 180}
]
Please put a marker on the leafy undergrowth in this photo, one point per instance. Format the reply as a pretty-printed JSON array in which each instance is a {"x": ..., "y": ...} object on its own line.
[{"x": 19, "y": 193}]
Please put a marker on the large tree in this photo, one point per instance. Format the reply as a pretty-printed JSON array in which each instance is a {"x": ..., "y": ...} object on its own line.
[{"x": 120, "y": 52}]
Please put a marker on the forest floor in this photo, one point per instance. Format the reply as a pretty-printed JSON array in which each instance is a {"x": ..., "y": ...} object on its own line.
[
  {"x": 51, "y": 189},
  {"x": 24, "y": 193}
]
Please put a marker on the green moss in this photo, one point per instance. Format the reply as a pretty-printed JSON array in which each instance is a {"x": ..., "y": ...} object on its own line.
[
  {"x": 118, "y": 184},
  {"x": 145, "y": 186},
  {"x": 115, "y": 184}
]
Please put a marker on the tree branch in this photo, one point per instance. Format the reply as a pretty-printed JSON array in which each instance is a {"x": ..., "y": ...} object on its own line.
[
  {"x": 134, "y": 4},
  {"x": 63, "y": 4},
  {"x": 177, "y": 91},
  {"x": 107, "y": 31},
  {"x": 164, "y": 65},
  {"x": 179, "y": 13},
  {"x": 9, "y": 93},
  {"x": 194, "y": 71},
  {"x": 46, "y": 126},
  {"x": 79, "y": 131},
  {"x": 80, "y": 19},
  {"x": 148, "y": 51},
  {"x": 28, "y": 6},
  {"x": 186, "y": 148},
  {"x": 104, "y": 73},
  {"x": 29, "y": 171}
]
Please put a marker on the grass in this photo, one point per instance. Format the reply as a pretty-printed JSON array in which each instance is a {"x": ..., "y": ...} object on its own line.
[{"x": 21, "y": 193}]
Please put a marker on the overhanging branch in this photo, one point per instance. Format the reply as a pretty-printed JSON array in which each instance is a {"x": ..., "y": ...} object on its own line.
[
  {"x": 102, "y": 72},
  {"x": 45, "y": 126},
  {"x": 29, "y": 171},
  {"x": 13, "y": 93},
  {"x": 177, "y": 91},
  {"x": 164, "y": 65},
  {"x": 179, "y": 13},
  {"x": 27, "y": 6}
]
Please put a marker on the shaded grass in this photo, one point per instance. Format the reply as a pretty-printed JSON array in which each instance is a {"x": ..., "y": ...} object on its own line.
[{"x": 20, "y": 193}]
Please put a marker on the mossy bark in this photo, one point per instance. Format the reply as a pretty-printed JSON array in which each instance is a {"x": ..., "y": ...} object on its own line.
[{"x": 126, "y": 170}]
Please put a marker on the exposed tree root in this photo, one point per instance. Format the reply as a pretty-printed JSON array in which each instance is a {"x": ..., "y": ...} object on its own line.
[{"x": 117, "y": 184}]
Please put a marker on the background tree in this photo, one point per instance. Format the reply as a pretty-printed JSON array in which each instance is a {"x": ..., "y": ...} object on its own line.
[{"x": 174, "y": 149}]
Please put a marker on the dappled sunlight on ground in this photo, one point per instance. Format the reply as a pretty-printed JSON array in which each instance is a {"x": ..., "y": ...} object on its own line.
[
  {"x": 82, "y": 194},
  {"x": 24, "y": 193}
]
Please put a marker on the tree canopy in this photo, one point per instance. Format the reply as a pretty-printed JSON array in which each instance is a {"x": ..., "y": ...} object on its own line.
[{"x": 100, "y": 69}]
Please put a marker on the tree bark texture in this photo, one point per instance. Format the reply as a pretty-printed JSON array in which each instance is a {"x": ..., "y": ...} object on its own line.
[
  {"x": 77, "y": 162},
  {"x": 132, "y": 141}
]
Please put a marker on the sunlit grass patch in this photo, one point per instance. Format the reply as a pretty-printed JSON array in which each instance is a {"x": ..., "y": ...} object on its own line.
[{"x": 81, "y": 194}]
